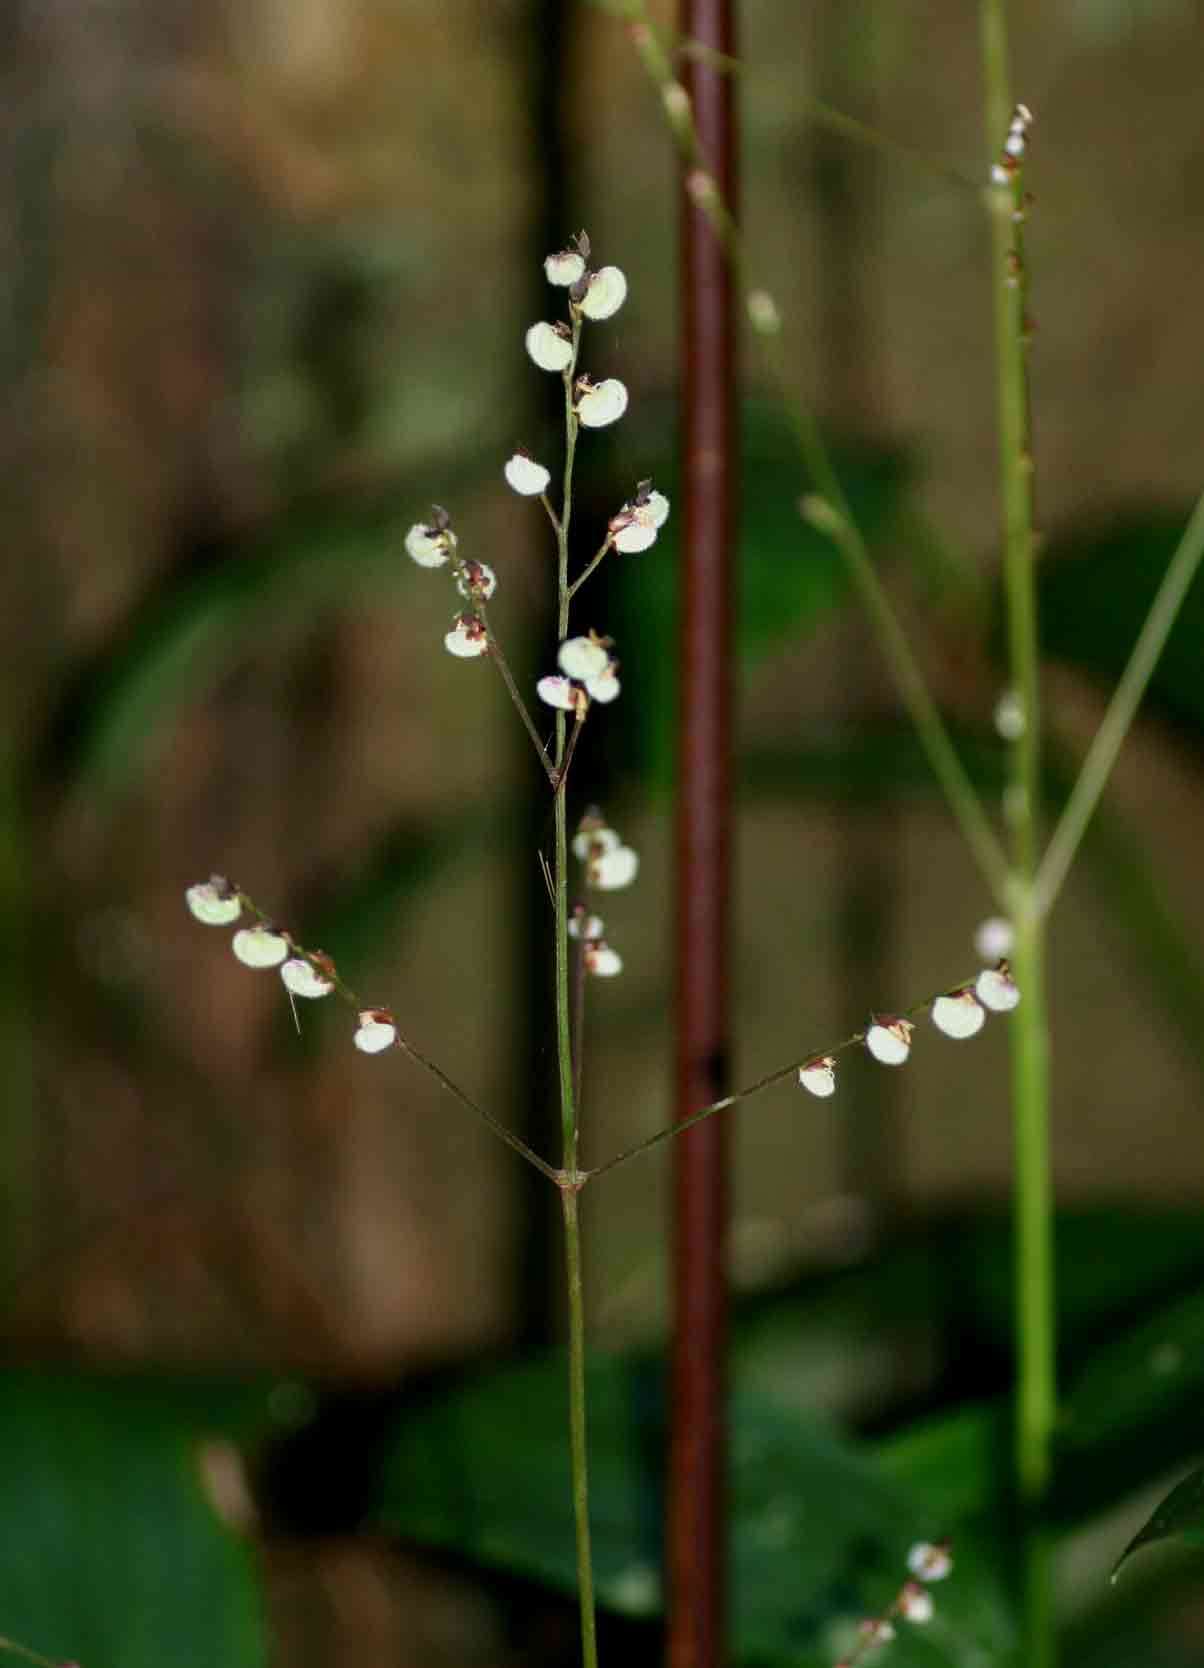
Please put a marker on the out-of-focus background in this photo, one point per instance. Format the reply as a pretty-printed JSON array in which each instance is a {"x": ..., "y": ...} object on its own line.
[{"x": 267, "y": 269}]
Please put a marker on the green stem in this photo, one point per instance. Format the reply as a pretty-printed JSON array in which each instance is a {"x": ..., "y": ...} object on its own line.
[
  {"x": 570, "y": 1181},
  {"x": 520, "y": 706},
  {"x": 577, "y": 1436},
  {"x": 1122, "y": 709},
  {"x": 1035, "y": 1315},
  {"x": 588, "y": 569}
]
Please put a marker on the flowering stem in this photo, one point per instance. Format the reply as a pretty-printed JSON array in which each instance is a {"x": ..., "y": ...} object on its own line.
[
  {"x": 727, "y": 1101},
  {"x": 837, "y": 515},
  {"x": 326, "y": 968},
  {"x": 570, "y": 1182},
  {"x": 577, "y": 1431},
  {"x": 586, "y": 571},
  {"x": 1035, "y": 1314},
  {"x": 1122, "y": 709},
  {"x": 520, "y": 706}
]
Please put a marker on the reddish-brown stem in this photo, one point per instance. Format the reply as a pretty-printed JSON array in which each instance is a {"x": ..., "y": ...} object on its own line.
[{"x": 695, "y": 1527}]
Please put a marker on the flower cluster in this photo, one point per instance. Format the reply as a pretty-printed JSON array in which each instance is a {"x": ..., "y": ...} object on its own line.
[
  {"x": 433, "y": 544},
  {"x": 1014, "y": 146},
  {"x": 638, "y": 522},
  {"x": 927, "y": 1561},
  {"x": 609, "y": 866},
  {"x": 590, "y": 673},
  {"x": 217, "y": 902},
  {"x": 958, "y": 1013}
]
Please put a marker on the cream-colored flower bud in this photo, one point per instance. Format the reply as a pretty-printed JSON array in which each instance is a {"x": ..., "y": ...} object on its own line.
[
  {"x": 915, "y": 1604},
  {"x": 930, "y": 1561},
  {"x": 550, "y": 347},
  {"x": 525, "y": 476},
  {"x": 818, "y": 1077},
  {"x": 959, "y": 1014},
  {"x": 612, "y": 869},
  {"x": 467, "y": 638},
  {"x": 630, "y": 535},
  {"x": 303, "y": 979},
  {"x": 259, "y": 946},
  {"x": 996, "y": 989},
  {"x": 214, "y": 902},
  {"x": 993, "y": 938},
  {"x": 606, "y": 686},
  {"x": 376, "y": 1031},
  {"x": 563, "y": 269},
  {"x": 583, "y": 657},
  {"x": 600, "y": 403},
  {"x": 606, "y": 293},
  {"x": 602, "y": 961},
  {"x": 561, "y": 692},
  {"x": 889, "y": 1040},
  {"x": 430, "y": 547},
  {"x": 476, "y": 580}
]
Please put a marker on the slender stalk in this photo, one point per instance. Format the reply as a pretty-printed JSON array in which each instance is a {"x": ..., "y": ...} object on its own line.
[
  {"x": 1122, "y": 709},
  {"x": 520, "y": 706},
  {"x": 1035, "y": 1311},
  {"x": 778, "y": 1075},
  {"x": 588, "y": 569},
  {"x": 322, "y": 964},
  {"x": 570, "y": 1181},
  {"x": 577, "y": 1433}
]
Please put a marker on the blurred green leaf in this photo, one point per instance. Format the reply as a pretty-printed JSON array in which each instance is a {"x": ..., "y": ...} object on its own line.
[
  {"x": 819, "y": 1536},
  {"x": 185, "y": 639},
  {"x": 789, "y": 576},
  {"x": 957, "y": 1463},
  {"x": 113, "y": 1556},
  {"x": 1141, "y": 1377},
  {"x": 1180, "y": 1514},
  {"x": 1095, "y": 589}
]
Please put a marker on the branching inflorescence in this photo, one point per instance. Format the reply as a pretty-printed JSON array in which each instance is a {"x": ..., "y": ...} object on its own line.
[{"x": 586, "y": 675}]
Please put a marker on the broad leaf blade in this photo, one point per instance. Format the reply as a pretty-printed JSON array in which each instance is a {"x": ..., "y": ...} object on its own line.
[{"x": 113, "y": 1556}]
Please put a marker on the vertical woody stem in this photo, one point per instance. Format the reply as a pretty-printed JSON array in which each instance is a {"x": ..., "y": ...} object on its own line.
[{"x": 696, "y": 1519}]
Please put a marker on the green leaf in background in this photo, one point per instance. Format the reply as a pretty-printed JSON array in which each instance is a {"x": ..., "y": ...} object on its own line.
[
  {"x": 1180, "y": 1514},
  {"x": 113, "y": 1556},
  {"x": 789, "y": 575},
  {"x": 1095, "y": 590},
  {"x": 187, "y": 637},
  {"x": 819, "y": 1534}
]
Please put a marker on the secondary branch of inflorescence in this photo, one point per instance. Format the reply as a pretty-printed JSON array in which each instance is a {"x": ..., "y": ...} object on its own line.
[
  {"x": 610, "y": 865},
  {"x": 927, "y": 1561}
]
